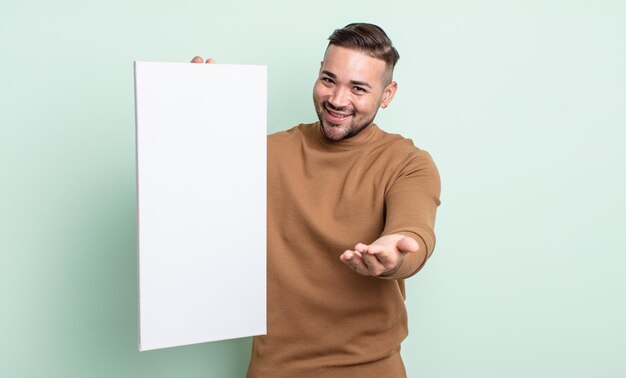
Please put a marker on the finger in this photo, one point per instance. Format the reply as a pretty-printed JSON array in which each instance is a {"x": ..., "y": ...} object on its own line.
[
  {"x": 408, "y": 245},
  {"x": 210, "y": 61},
  {"x": 390, "y": 261},
  {"x": 346, "y": 255},
  {"x": 388, "y": 258},
  {"x": 378, "y": 250},
  {"x": 374, "y": 266},
  {"x": 197, "y": 59},
  {"x": 353, "y": 260},
  {"x": 360, "y": 247}
]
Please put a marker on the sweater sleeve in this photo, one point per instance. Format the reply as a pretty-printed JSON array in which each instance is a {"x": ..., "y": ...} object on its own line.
[{"x": 411, "y": 204}]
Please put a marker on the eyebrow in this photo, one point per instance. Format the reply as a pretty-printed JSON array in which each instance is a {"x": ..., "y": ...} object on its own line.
[{"x": 353, "y": 82}]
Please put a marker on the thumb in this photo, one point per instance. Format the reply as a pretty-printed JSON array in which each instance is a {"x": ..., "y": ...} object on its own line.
[{"x": 408, "y": 245}]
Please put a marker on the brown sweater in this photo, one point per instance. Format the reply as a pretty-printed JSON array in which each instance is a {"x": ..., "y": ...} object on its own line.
[{"x": 324, "y": 319}]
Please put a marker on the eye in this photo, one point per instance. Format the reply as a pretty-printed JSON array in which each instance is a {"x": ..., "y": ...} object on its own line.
[
  {"x": 359, "y": 90},
  {"x": 327, "y": 80}
]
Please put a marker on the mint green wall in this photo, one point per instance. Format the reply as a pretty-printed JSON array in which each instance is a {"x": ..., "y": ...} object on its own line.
[{"x": 521, "y": 103}]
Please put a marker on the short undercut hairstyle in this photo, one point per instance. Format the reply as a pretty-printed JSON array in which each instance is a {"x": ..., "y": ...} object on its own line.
[{"x": 369, "y": 39}]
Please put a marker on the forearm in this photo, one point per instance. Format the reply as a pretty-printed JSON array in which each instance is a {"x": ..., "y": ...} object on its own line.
[{"x": 411, "y": 207}]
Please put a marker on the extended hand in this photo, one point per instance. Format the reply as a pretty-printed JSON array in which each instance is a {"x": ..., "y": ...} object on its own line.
[{"x": 381, "y": 258}]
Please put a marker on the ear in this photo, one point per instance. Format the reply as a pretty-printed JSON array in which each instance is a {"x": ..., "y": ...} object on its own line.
[{"x": 388, "y": 93}]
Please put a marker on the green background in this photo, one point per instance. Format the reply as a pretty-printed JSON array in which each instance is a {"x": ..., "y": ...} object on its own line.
[{"x": 521, "y": 103}]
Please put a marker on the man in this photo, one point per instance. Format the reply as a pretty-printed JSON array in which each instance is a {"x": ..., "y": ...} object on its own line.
[{"x": 341, "y": 190}]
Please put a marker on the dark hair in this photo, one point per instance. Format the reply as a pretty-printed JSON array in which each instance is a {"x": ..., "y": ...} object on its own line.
[{"x": 368, "y": 38}]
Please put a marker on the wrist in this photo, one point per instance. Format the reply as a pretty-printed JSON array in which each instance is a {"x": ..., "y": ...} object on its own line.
[{"x": 388, "y": 275}]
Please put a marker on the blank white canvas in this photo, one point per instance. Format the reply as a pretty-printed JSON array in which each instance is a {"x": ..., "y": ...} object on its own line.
[{"x": 201, "y": 183}]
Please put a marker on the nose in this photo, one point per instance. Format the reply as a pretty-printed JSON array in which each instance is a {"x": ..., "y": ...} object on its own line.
[{"x": 339, "y": 98}]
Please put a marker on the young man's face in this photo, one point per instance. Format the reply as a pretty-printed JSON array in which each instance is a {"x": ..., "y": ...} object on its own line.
[{"x": 349, "y": 90}]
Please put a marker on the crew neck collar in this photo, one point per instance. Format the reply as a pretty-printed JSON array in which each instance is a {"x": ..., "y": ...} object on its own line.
[{"x": 362, "y": 138}]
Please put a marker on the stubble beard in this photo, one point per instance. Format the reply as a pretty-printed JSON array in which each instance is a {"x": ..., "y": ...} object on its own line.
[{"x": 353, "y": 129}]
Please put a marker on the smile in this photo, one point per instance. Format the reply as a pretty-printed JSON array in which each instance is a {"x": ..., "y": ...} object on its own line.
[{"x": 336, "y": 117}]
